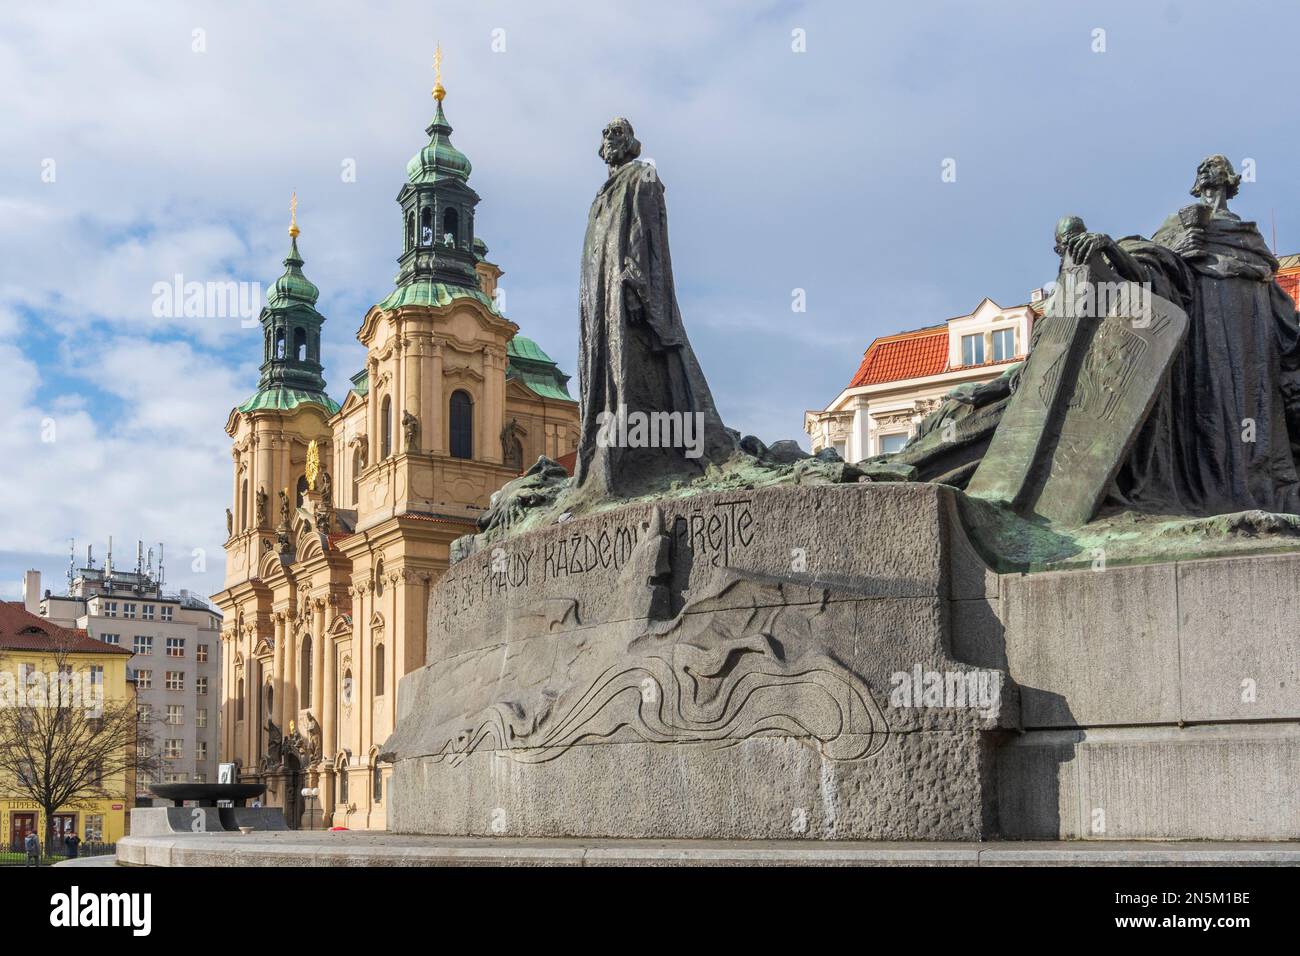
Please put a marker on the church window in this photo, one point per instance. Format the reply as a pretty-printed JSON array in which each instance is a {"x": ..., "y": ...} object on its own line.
[
  {"x": 410, "y": 230},
  {"x": 379, "y": 670},
  {"x": 451, "y": 227},
  {"x": 304, "y": 671},
  {"x": 279, "y": 343},
  {"x": 300, "y": 344},
  {"x": 302, "y": 489},
  {"x": 377, "y": 784},
  {"x": 426, "y": 226},
  {"x": 356, "y": 476},
  {"x": 385, "y": 428},
  {"x": 239, "y": 699},
  {"x": 462, "y": 425}
]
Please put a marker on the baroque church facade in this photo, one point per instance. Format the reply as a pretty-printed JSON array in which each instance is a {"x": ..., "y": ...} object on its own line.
[{"x": 342, "y": 515}]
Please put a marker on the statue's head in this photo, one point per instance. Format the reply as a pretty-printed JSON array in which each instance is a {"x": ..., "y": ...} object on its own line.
[
  {"x": 618, "y": 144},
  {"x": 1216, "y": 172},
  {"x": 1066, "y": 227}
]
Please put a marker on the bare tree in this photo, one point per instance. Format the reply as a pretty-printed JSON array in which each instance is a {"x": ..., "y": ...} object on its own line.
[{"x": 62, "y": 740}]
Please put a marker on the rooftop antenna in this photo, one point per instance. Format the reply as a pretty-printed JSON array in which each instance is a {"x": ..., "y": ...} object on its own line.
[
  {"x": 150, "y": 568},
  {"x": 90, "y": 557},
  {"x": 160, "y": 564},
  {"x": 139, "y": 557},
  {"x": 108, "y": 564},
  {"x": 72, "y": 559}
]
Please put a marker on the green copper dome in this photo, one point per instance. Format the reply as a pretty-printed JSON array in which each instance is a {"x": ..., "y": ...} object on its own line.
[
  {"x": 293, "y": 286},
  {"x": 439, "y": 160}
]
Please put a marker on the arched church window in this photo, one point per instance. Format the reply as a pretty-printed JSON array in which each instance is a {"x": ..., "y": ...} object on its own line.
[
  {"x": 356, "y": 476},
  {"x": 426, "y": 226},
  {"x": 379, "y": 670},
  {"x": 279, "y": 343},
  {"x": 300, "y": 344},
  {"x": 410, "y": 230},
  {"x": 377, "y": 783},
  {"x": 343, "y": 785},
  {"x": 385, "y": 428},
  {"x": 304, "y": 672},
  {"x": 451, "y": 227},
  {"x": 302, "y": 489},
  {"x": 461, "y": 424},
  {"x": 270, "y": 699}
]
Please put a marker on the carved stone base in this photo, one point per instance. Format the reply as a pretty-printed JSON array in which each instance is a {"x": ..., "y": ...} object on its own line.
[{"x": 728, "y": 666}]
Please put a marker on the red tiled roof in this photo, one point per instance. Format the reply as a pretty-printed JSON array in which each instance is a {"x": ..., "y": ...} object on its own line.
[
  {"x": 21, "y": 630},
  {"x": 907, "y": 355},
  {"x": 569, "y": 460},
  {"x": 1290, "y": 283}
]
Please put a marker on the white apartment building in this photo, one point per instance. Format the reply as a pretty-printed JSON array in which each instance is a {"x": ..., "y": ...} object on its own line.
[
  {"x": 903, "y": 377},
  {"x": 175, "y": 641}
]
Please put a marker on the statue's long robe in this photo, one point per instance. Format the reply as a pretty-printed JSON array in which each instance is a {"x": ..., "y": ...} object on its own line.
[
  {"x": 633, "y": 350},
  {"x": 1217, "y": 439}
]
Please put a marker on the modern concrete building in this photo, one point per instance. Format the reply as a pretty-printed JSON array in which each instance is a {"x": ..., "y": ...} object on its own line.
[{"x": 175, "y": 645}]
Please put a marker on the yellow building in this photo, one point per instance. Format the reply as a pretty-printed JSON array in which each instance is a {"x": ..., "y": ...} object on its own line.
[
  {"x": 31, "y": 649},
  {"x": 343, "y": 515}
]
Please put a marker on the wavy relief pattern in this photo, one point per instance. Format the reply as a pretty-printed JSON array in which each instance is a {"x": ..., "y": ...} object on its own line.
[{"x": 718, "y": 676}]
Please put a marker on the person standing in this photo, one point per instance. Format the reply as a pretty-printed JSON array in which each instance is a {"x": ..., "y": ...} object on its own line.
[{"x": 32, "y": 844}]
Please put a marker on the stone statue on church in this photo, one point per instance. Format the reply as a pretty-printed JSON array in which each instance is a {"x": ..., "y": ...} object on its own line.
[
  {"x": 261, "y": 507},
  {"x": 411, "y": 431},
  {"x": 634, "y": 358},
  {"x": 230, "y": 523}
]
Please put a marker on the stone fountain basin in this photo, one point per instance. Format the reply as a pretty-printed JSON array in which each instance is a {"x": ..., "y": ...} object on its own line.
[{"x": 207, "y": 794}]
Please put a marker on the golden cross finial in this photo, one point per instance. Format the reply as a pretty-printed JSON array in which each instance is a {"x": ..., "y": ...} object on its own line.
[
  {"x": 438, "y": 91},
  {"x": 293, "y": 215}
]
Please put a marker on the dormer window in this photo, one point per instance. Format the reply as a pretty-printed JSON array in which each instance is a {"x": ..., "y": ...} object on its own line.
[
  {"x": 1004, "y": 345},
  {"x": 972, "y": 349}
]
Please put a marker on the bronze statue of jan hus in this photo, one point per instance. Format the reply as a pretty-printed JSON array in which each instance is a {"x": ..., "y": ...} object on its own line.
[{"x": 634, "y": 356}]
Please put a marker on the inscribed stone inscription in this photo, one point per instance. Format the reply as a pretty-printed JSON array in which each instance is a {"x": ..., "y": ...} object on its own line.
[
  {"x": 714, "y": 534},
  {"x": 1085, "y": 393}
]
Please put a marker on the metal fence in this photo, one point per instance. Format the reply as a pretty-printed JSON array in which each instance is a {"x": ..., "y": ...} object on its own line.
[{"x": 14, "y": 855}]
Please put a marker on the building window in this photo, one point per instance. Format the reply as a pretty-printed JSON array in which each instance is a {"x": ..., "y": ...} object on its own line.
[
  {"x": 175, "y": 647},
  {"x": 385, "y": 428},
  {"x": 175, "y": 714},
  {"x": 377, "y": 784},
  {"x": 110, "y": 609},
  {"x": 201, "y": 653},
  {"x": 302, "y": 488},
  {"x": 410, "y": 230},
  {"x": 347, "y": 688},
  {"x": 343, "y": 786},
  {"x": 97, "y": 673},
  {"x": 175, "y": 778},
  {"x": 426, "y": 226},
  {"x": 94, "y": 828},
  {"x": 379, "y": 670},
  {"x": 200, "y": 778},
  {"x": 300, "y": 344},
  {"x": 175, "y": 680},
  {"x": 972, "y": 349},
  {"x": 239, "y": 699},
  {"x": 356, "y": 476},
  {"x": 128, "y": 611},
  {"x": 1004, "y": 344},
  {"x": 143, "y": 680},
  {"x": 891, "y": 444},
  {"x": 144, "y": 712},
  {"x": 200, "y": 750},
  {"x": 201, "y": 717},
  {"x": 172, "y": 749},
  {"x": 167, "y": 613},
  {"x": 201, "y": 686},
  {"x": 142, "y": 644},
  {"x": 450, "y": 227},
  {"x": 462, "y": 425},
  {"x": 304, "y": 674},
  {"x": 146, "y": 612},
  {"x": 114, "y": 639}
]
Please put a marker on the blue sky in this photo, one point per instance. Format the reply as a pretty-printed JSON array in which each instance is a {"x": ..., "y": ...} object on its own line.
[{"x": 816, "y": 170}]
